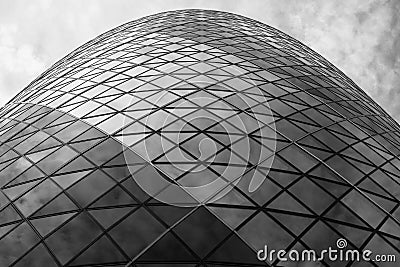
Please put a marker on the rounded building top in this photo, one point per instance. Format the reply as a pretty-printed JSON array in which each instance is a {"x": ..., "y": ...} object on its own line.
[{"x": 212, "y": 133}]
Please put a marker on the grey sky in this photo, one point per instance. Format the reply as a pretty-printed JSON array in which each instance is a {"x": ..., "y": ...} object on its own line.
[{"x": 361, "y": 37}]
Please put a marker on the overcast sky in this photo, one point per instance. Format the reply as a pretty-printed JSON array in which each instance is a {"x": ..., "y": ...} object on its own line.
[{"x": 361, "y": 37}]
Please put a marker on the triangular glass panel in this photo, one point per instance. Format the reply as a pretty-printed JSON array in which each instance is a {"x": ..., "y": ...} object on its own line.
[
  {"x": 286, "y": 202},
  {"x": 235, "y": 250},
  {"x": 78, "y": 164},
  {"x": 168, "y": 249},
  {"x": 68, "y": 179},
  {"x": 84, "y": 230},
  {"x": 115, "y": 197},
  {"x": 339, "y": 212},
  {"x": 108, "y": 216},
  {"x": 141, "y": 227},
  {"x": 58, "y": 205},
  {"x": 47, "y": 224},
  {"x": 296, "y": 224},
  {"x": 202, "y": 231},
  {"x": 39, "y": 255},
  {"x": 91, "y": 257}
]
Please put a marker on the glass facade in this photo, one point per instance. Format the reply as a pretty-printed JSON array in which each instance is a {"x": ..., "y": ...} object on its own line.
[{"x": 320, "y": 161}]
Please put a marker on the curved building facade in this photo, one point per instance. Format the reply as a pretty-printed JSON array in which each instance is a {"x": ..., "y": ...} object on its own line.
[{"x": 195, "y": 138}]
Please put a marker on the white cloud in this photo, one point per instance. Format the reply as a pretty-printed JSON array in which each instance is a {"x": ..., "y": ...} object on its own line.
[{"x": 19, "y": 64}]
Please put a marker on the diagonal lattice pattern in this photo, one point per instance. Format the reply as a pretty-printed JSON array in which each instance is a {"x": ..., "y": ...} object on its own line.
[{"x": 68, "y": 195}]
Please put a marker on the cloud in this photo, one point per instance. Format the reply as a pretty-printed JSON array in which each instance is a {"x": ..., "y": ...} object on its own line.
[
  {"x": 19, "y": 64},
  {"x": 362, "y": 38}
]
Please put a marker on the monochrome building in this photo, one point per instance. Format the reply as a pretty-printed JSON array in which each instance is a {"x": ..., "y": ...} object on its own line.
[{"x": 194, "y": 138}]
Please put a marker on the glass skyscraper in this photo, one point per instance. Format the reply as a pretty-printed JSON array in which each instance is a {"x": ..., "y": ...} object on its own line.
[{"x": 194, "y": 138}]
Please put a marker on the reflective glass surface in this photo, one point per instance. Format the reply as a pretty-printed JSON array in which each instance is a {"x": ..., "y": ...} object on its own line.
[{"x": 68, "y": 195}]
